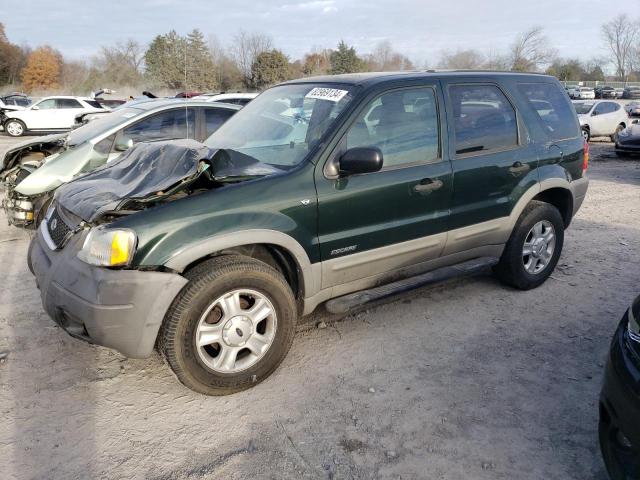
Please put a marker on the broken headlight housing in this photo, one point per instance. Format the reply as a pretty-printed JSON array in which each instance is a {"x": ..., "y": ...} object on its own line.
[
  {"x": 634, "y": 320},
  {"x": 107, "y": 247}
]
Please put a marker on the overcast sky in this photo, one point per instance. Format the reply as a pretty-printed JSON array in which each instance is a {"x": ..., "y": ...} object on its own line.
[{"x": 421, "y": 29}]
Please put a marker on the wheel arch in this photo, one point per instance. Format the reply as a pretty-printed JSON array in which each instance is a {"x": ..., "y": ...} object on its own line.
[{"x": 277, "y": 249}]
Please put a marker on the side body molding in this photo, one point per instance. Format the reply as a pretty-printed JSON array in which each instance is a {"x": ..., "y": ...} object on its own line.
[{"x": 311, "y": 274}]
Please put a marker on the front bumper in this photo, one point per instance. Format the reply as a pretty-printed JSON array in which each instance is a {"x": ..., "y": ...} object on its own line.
[
  {"x": 19, "y": 209},
  {"x": 620, "y": 397},
  {"x": 118, "y": 309},
  {"x": 628, "y": 147}
]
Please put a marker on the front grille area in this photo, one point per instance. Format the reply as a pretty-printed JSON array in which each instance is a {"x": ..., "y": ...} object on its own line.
[{"x": 57, "y": 228}]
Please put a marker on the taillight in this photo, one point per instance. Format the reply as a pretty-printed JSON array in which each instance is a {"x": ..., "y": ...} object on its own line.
[{"x": 585, "y": 158}]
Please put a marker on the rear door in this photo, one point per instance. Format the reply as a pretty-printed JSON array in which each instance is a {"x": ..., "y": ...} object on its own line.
[
  {"x": 492, "y": 161},
  {"x": 213, "y": 118},
  {"x": 67, "y": 109},
  {"x": 377, "y": 222}
]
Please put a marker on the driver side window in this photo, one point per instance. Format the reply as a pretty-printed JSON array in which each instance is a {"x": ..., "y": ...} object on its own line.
[
  {"x": 403, "y": 124},
  {"x": 47, "y": 104}
]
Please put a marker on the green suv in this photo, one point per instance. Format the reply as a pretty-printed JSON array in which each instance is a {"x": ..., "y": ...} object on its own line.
[{"x": 330, "y": 190}]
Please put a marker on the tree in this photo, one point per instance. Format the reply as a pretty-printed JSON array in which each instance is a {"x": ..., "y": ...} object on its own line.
[
  {"x": 564, "y": 70},
  {"x": 165, "y": 60},
  {"x": 316, "y": 63},
  {"x": 462, "y": 60},
  {"x": 530, "y": 50},
  {"x": 246, "y": 47},
  {"x": 228, "y": 75},
  {"x": 42, "y": 70},
  {"x": 345, "y": 60},
  {"x": 619, "y": 35},
  {"x": 384, "y": 59},
  {"x": 201, "y": 71},
  {"x": 269, "y": 68},
  {"x": 120, "y": 64},
  {"x": 12, "y": 59}
]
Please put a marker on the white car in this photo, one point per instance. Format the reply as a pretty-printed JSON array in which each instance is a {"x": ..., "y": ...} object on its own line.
[
  {"x": 584, "y": 93},
  {"x": 49, "y": 114},
  {"x": 233, "y": 98},
  {"x": 602, "y": 118}
]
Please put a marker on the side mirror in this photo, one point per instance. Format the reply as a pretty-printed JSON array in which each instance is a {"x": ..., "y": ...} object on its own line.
[
  {"x": 594, "y": 113},
  {"x": 35, "y": 107},
  {"x": 361, "y": 160},
  {"x": 123, "y": 143}
]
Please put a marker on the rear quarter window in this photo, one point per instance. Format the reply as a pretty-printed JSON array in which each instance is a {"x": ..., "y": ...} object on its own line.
[{"x": 553, "y": 109}]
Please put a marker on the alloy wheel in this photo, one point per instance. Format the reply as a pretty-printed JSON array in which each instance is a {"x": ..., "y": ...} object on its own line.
[
  {"x": 539, "y": 246},
  {"x": 236, "y": 331}
]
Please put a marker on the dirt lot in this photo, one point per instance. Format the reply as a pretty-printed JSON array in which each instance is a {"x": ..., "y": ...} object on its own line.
[{"x": 468, "y": 379}]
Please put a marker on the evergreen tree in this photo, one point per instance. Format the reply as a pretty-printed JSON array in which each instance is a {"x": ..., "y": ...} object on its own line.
[
  {"x": 345, "y": 60},
  {"x": 269, "y": 68}
]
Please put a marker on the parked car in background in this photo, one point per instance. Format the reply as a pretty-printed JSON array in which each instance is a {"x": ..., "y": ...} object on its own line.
[
  {"x": 32, "y": 170},
  {"x": 572, "y": 91},
  {"x": 632, "y": 108},
  {"x": 631, "y": 92},
  {"x": 49, "y": 114},
  {"x": 619, "y": 425},
  {"x": 619, "y": 92},
  {"x": 605, "y": 91},
  {"x": 10, "y": 100},
  {"x": 339, "y": 189},
  {"x": 601, "y": 118},
  {"x": 584, "y": 93},
  {"x": 628, "y": 141},
  {"x": 235, "y": 98}
]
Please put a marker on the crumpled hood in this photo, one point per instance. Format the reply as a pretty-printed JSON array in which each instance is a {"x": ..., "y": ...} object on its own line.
[
  {"x": 149, "y": 169},
  {"x": 56, "y": 137}
]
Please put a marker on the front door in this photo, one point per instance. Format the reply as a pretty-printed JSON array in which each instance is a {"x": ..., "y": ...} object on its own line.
[
  {"x": 42, "y": 115},
  {"x": 397, "y": 217}
]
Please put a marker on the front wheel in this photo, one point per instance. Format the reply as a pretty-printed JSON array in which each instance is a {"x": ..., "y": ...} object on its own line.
[
  {"x": 533, "y": 250},
  {"x": 586, "y": 134},
  {"x": 619, "y": 128},
  {"x": 230, "y": 326},
  {"x": 15, "y": 128}
]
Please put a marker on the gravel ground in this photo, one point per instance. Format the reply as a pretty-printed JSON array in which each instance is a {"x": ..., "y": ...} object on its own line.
[{"x": 467, "y": 379}]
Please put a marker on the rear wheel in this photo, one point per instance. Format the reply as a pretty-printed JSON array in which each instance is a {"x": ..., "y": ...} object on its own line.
[
  {"x": 533, "y": 250},
  {"x": 15, "y": 128},
  {"x": 230, "y": 327}
]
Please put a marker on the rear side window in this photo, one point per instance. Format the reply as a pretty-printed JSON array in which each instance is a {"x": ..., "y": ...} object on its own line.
[
  {"x": 68, "y": 103},
  {"x": 484, "y": 120},
  {"x": 554, "y": 110},
  {"x": 214, "y": 117},
  {"x": 607, "y": 107},
  {"x": 166, "y": 125},
  {"x": 403, "y": 124}
]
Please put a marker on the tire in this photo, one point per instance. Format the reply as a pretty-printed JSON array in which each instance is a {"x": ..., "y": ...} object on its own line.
[
  {"x": 15, "y": 128},
  {"x": 212, "y": 287},
  {"x": 586, "y": 134},
  {"x": 618, "y": 460},
  {"x": 521, "y": 271},
  {"x": 619, "y": 128}
]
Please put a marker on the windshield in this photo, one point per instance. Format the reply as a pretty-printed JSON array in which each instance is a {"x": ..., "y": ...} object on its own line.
[
  {"x": 283, "y": 124},
  {"x": 583, "y": 108},
  {"x": 100, "y": 125}
]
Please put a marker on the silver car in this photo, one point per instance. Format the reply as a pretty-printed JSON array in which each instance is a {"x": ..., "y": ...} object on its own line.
[
  {"x": 32, "y": 170},
  {"x": 601, "y": 118}
]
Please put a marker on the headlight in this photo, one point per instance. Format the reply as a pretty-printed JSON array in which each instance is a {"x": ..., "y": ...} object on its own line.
[
  {"x": 108, "y": 248},
  {"x": 634, "y": 320},
  {"x": 624, "y": 133}
]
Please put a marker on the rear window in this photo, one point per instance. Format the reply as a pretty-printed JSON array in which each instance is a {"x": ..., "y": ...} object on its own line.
[{"x": 554, "y": 110}]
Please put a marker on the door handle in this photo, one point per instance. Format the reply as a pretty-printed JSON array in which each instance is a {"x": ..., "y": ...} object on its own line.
[
  {"x": 519, "y": 167},
  {"x": 428, "y": 185}
]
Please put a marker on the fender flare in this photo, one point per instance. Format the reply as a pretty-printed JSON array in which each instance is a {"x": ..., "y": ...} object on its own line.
[{"x": 184, "y": 257}]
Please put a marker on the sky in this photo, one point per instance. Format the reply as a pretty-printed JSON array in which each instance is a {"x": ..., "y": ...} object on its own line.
[{"x": 420, "y": 29}]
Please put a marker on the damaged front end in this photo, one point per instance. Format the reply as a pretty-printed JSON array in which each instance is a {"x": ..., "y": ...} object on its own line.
[
  {"x": 151, "y": 174},
  {"x": 16, "y": 165}
]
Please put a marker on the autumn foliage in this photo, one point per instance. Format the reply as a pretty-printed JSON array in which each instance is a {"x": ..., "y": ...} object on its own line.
[{"x": 42, "y": 70}]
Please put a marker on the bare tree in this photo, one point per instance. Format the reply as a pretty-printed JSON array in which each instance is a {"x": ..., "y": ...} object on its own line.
[
  {"x": 462, "y": 60},
  {"x": 245, "y": 48},
  {"x": 619, "y": 35},
  {"x": 530, "y": 50},
  {"x": 120, "y": 64},
  {"x": 384, "y": 58}
]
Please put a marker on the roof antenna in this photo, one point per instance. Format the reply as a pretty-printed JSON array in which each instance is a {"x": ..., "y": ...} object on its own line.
[{"x": 186, "y": 109}]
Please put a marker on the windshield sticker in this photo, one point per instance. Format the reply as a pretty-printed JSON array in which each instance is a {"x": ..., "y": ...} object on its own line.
[{"x": 330, "y": 94}]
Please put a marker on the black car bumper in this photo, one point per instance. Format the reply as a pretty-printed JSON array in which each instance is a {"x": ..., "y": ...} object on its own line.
[
  {"x": 119, "y": 309},
  {"x": 628, "y": 147},
  {"x": 620, "y": 405}
]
